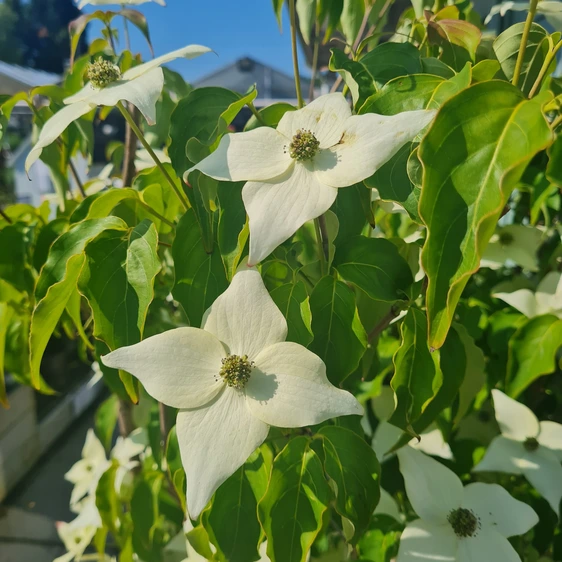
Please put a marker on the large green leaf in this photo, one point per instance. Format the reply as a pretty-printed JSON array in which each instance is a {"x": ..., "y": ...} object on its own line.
[
  {"x": 353, "y": 467},
  {"x": 376, "y": 267},
  {"x": 14, "y": 267},
  {"x": 231, "y": 521},
  {"x": 417, "y": 377},
  {"x": 532, "y": 352},
  {"x": 507, "y": 46},
  {"x": 390, "y": 60},
  {"x": 351, "y": 18},
  {"x": 57, "y": 282},
  {"x": 6, "y": 313},
  {"x": 355, "y": 75},
  {"x": 118, "y": 281},
  {"x": 292, "y": 510},
  {"x": 200, "y": 277},
  {"x": 292, "y": 300},
  {"x": 339, "y": 337},
  {"x": 473, "y": 155}
]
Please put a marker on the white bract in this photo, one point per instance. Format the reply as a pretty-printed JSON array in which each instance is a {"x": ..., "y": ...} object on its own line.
[
  {"x": 79, "y": 533},
  {"x": 457, "y": 524},
  {"x": 140, "y": 85},
  {"x": 526, "y": 446},
  {"x": 387, "y": 435},
  {"x": 293, "y": 172},
  {"x": 514, "y": 244},
  {"x": 83, "y": 3},
  {"x": 85, "y": 473},
  {"x": 231, "y": 380},
  {"x": 547, "y": 299}
]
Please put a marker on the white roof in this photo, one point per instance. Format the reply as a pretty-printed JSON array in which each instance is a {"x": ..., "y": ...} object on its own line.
[{"x": 28, "y": 76}]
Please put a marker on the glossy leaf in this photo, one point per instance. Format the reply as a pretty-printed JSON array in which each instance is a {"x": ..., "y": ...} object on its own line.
[
  {"x": 56, "y": 283},
  {"x": 351, "y": 18},
  {"x": 507, "y": 46},
  {"x": 231, "y": 522},
  {"x": 292, "y": 510},
  {"x": 352, "y": 465},
  {"x": 473, "y": 155},
  {"x": 355, "y": 76},
  {"x": 339, "y": 337},
  {"x": 292, "y": 300},
  {"x": 532, "y": 352},
  {"x": 376, "y": 267},
  {"x": 390, "y": 60},
  {"x": 200, "y": 277},
  {"x": 416, "y": 377}
]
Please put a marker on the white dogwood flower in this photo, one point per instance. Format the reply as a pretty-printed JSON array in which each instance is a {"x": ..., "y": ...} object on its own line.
[
  {"x": 515, "y": 244},
  {"x": 79, "y": 533},
  {"x": 458, "y": 524},
  {"x": 83, "y": 3},
  {"x": 526, "y": 446},
  {"x": 547, "y": 299},
  {"x": 231, "y": 380},
  {"x": 293, "y": 172},
  {"x": 86, "y": 472},
  {"x": 140, "y": 85},
  {"x": 386, "y": 435}
]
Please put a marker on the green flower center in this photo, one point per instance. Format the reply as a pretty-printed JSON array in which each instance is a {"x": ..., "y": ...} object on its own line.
[
  {"x": 464, "y": 522},
  {"x": 506, "y": 239},
  {"x": 102, "y": 72},
  {"x": 236, "y": 371},
  {"x": 531, "y": 444},
  {"x": 304, "y": 145}
]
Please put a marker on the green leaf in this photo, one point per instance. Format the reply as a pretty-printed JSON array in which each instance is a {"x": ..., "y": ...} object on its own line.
[
  {"x": 292, "y": 510},
  {"x": 14, "y": 266},
  {"x": 145, "y": 514},
  {"x": 507, "y": 46},
  {"x": 270, "y": 115},
  {"x": 475, "y": 375},
  {"x": 231, "y": 522},
  {"x": 200, "y": 277},
  {"x": 6, "y": 313},
  {"x": 106, "y": 420},
  {"x": 100, "y": 204},
  {"x": 306, "y": 12},
  {"x": 233, "y": 228},
  {"x": 554, "y": 166},
  {"x": 351, "y": 18},
  {"x": 339, "y": 338},
  {"x": 532, "y": 352},
  {"x": 416, "y": 377},
  {"x": 473, "y": 155},
  {"x": 391, "y": 60},
  {"x": 354, "y": 74},
  {"x": 453, "y": 364},
  {"x": 457, "y": 38},
  {"x": 278, "y": 11},
  {"x": 57, "y": 282},
  {"x": 353, "y": 467},
  {"x": 107, "y": 500},
  {"x": 352, "y": 208},
  {"x": 118, "y": 281},
  {"x": 376, "y": 267},
  {"x": 292, "y": 300},
  {"x": 175, "y": 467}
]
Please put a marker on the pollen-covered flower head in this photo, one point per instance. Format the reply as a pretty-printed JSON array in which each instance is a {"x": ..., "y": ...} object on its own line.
[{"x": 293, "y": 172}]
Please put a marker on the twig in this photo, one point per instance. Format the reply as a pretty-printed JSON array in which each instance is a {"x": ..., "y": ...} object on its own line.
[
  {"x": 5, "y": 216},
  {"x": 76, "y": 177},
  {"x": 125, "y": 417},
  {"x": 293, "y": 16},
  {"x": 383, "y": 324},
  {"x": 128, "y": 171},
  {"x": 524, "y": 39},
  {"x": 315, "y": 54}
]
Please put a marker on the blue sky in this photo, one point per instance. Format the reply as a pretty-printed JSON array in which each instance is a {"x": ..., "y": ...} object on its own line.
[{"x": 229, "y": 29}]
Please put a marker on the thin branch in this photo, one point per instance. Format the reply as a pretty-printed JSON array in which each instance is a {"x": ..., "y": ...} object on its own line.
[
  {"x": 524, "y": 39},
  {"x": 5, "y": 216},
  {"x": 383, "y": 324},
  {"x": 293, "y": 16}
]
